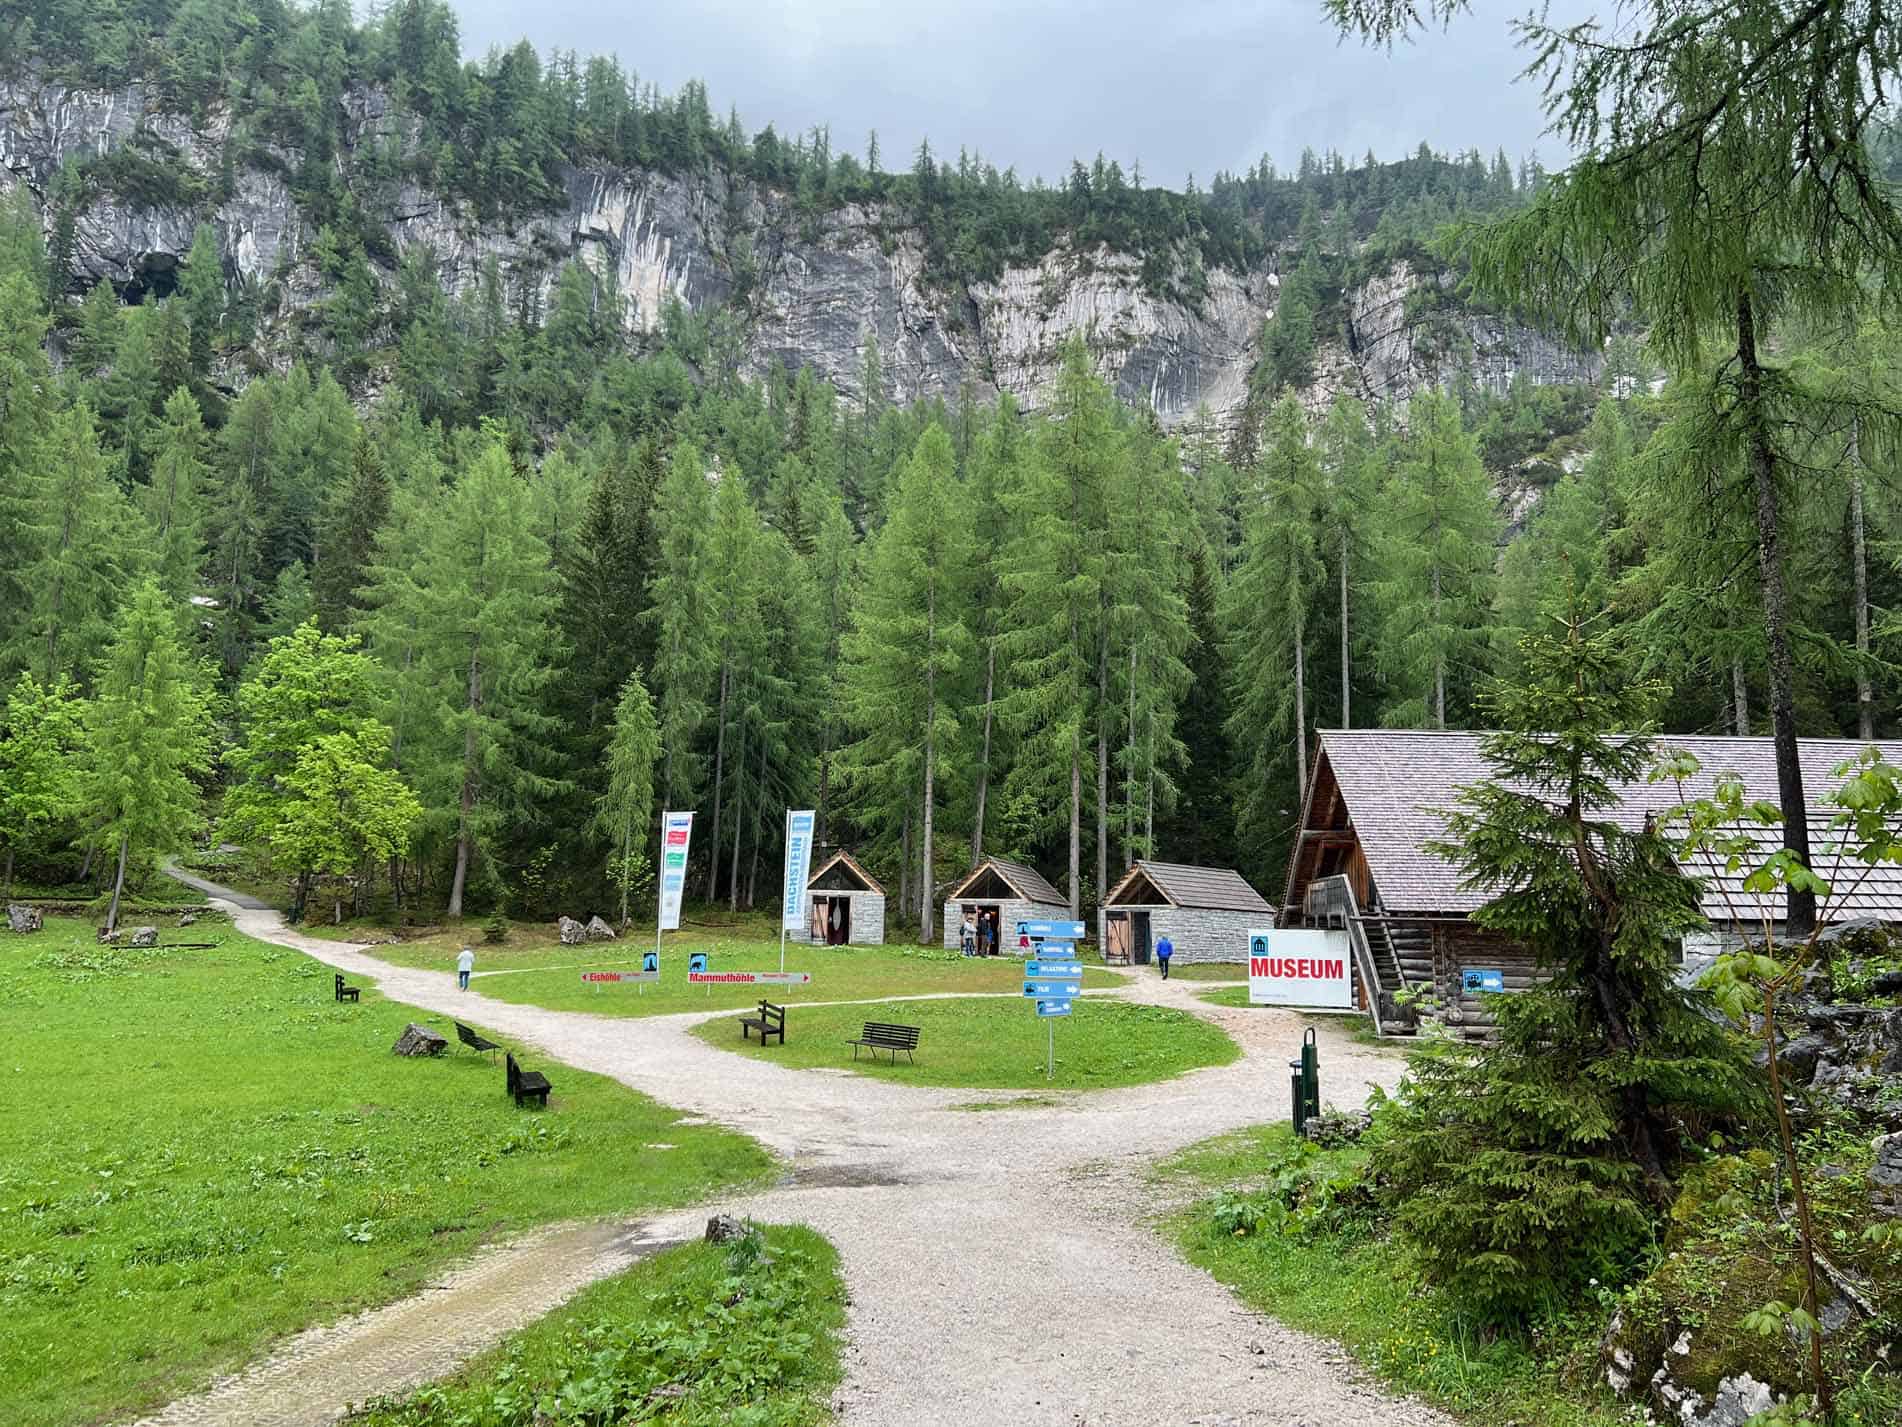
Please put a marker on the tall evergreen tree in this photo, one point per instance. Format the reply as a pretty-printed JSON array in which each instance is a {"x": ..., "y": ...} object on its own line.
[
  {"x": 174, "y": 501},
  {"x": 149, "y": 734},
  {"x": 685, "y": 660}
]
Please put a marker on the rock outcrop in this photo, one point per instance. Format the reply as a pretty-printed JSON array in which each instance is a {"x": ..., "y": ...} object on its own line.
[{"x": 814, "y": 292}]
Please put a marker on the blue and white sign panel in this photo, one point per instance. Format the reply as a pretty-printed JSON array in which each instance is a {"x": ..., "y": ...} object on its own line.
[
  {"x": 1476, "y": 978},
  {"x": 1047, "y": 1009},
  {"x": 676, "y": 829},
  {"x": 1051, "y": 931},
  {"x": 792, "y": 911},
  {"x": 1050, "y": 990},
  {"x": 1068, "y": 969}
]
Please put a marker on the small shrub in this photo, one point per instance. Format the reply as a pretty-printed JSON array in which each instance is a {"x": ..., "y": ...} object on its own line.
[{"x": 495, "y": 931}]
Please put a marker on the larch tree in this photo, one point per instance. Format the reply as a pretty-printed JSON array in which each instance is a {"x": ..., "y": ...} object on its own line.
[
  {"x": 78, "y": 534},
  {"x": 1350, "y": 474},
  {"x": 1054, "y": 573},
  {"x": 1439, "y": 530},
  {"x": 1725, "y": 181},
  {"x": 996, "y": 468},
  {"x": 149, "y": 733},
  {"x": 685, "y": 659},
  {"x": 468, "y": 626},
  {"x": 174, "y": 500},
  {"x": 26, "y": 409},
  {"x": 1271, "y": 600},
  {"x": 737, "y": 639},
  {"x": 909, "y": 647},
  {"x": 626, "y": 806}
]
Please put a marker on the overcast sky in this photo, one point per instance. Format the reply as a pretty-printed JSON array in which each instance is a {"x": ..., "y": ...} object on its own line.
[{"x": 1186, "y": 87}]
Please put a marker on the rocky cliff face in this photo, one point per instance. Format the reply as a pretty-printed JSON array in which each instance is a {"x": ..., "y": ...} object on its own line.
[{"x": 812, "y": 297}]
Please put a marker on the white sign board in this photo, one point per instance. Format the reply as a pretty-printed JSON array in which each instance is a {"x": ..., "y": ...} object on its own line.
[
  {"x": 676, "y": 829},
  {"x": 792, "y": 912},
  {"x": 1300, "y": 967}
]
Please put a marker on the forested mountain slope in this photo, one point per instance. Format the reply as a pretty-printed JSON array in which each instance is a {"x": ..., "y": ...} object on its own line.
[{"x": 340, "y": 169}]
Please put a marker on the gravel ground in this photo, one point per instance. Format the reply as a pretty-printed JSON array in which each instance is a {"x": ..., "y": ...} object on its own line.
[{"x": 1001, "y": 1266}]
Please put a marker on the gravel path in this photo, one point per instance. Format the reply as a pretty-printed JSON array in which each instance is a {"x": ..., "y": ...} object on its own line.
[{"x": 1000, "y": 1264}]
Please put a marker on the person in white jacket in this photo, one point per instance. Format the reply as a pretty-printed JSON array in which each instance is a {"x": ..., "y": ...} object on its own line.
[{"x": 465, "y": 963}]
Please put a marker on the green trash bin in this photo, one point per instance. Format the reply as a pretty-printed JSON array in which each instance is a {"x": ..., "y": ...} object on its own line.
[{"x": 1305, "y": 1081}]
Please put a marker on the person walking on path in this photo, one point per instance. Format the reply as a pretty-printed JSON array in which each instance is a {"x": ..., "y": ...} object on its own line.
[
  {"x": 465, "y": 963},
  {"x": 1164, "y": 950}
]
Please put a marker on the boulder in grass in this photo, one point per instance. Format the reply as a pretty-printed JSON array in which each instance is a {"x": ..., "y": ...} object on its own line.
[
  {"x": 573, "y": 933},
  {"x": 599, "y": 930},
  {"x": 24, "y": 919},
  {"x": 145, "y": 936},
  {"x": 190, "y": 919},
  {"x": 724, "y": 1229},
  {"x": 419, "y": 1040}
]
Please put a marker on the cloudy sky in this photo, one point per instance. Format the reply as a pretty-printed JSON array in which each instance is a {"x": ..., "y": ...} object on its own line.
[{"x": 1186, "y": 87}]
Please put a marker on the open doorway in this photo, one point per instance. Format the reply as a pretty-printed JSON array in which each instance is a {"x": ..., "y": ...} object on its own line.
[
  {"x": 831, "y": 920},
  {"x": 1126, "y": 937}
]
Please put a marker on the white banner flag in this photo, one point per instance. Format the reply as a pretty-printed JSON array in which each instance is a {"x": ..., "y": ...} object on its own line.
[
  {"x": 792, "y": 914},
  {"x": 676, "y": 831}
]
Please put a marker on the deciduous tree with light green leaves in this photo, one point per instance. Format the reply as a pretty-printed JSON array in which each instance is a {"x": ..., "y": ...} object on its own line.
[
  {"x": 150, "y": 733},
  {"x": 42, "y": 760},
  {"x": 312, "y": 782}
]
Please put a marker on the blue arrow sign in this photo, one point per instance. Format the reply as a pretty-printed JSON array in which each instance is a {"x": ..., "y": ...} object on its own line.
[
  {"x": 1052, "y": 931},
  {"x": 1046, "y": 1009},
  {"x": 1050, "y": 989},
  {"x": 1053, "y": 968}
]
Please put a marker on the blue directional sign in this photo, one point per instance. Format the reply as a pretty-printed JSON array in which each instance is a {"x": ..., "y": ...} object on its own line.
[
  {"x": 1049, "y": 990},
  {"x": 1051, "y": 931},
  {"x": 1046, "y": 1009},
  {"x": 1053, "y": 968},
  {"x": 1482, "y": 979},
  {"x": 696, "y": 961}
]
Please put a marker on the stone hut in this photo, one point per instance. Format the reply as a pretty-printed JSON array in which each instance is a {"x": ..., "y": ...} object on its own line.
[
  {"x": 845, "y": 905},
  {"x": 996, "y": 895},
  {"x": 1207, "y": 912}
]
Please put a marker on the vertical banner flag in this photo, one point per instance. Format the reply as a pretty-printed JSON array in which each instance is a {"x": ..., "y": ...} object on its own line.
[
  {"x": 792, "y": 914},
  {"x": 676, "y": 830}
]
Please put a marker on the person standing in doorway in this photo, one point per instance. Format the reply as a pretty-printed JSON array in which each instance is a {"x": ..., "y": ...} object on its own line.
[
  {"x": 465, "y": 963},
  {"x": 1164, "y": 950}
]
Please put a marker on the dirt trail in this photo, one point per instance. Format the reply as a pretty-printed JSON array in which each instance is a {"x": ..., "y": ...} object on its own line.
[{"x": 1000, "y": 1264}]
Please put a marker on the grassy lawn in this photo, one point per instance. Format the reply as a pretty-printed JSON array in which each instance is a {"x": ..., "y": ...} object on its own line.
[
  {"x": 744, "y": 1333},
  {"x": 201, "y": 1152},
  {"x": 543, "y": 975},
  {"x": 998, "y": 1044},
  {"x": 1344, "y": 1283}
]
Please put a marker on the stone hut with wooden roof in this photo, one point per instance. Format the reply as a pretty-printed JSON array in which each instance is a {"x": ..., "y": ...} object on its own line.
[
  {"x": 1206, "y": 912},
  {"x": 1375, "y": 801},
  {"x": 845, "y": 905},
  {"x": 996, "y": 895}
]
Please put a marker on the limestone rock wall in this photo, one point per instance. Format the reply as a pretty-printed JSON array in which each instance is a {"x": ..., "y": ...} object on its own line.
[{"x": 812, "y": 294}]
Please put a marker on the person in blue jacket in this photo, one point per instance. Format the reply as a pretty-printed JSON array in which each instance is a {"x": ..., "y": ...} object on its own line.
[{"x": 1164, "y": 950}]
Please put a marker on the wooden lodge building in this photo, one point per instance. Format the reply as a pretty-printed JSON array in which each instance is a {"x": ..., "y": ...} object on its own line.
[
  {"x": 845, "y": 905},
  {"x": 1371, "y": 807},
  {"x": 997, "y": 894},
  {"x": 1206, "y": 912}
]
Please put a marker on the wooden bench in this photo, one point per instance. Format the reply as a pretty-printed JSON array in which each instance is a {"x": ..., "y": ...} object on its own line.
[
  {"x": 346, "y": 993},
  {"x": 878, "y": 1036},
  {"x": 528, "y": 1084},
  {"x": 472, "y": 1040},
  {"x": 771, "y": 1021}
]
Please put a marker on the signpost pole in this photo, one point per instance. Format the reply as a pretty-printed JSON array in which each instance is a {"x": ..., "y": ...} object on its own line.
[{"x": 1050, "y": 1051}]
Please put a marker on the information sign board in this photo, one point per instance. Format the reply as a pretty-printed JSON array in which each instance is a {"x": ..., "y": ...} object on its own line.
[{"x": 1299, "y": 966}]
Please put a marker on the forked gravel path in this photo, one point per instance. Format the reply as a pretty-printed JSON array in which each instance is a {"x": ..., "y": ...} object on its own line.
[{"x": 1000, "y": 1265}]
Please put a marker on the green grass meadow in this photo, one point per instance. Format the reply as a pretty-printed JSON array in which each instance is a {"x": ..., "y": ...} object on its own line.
[
  {"x": 987, "y": 1044},
  {"x": 741, "y": 1335},
  {"x": 201, "y": 1151},
  {"x": 550, "y": 976}
]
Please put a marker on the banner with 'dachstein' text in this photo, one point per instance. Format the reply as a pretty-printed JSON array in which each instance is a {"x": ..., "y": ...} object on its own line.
[
  {"x": 792, "y": 913},
  {"x": 676, "y": 830}
]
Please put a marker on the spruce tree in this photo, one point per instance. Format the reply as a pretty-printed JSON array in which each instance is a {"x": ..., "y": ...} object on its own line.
[
  {"x": 1521, "y": 1168},
  {"x": 148, "y": 734},
  {"x": 625, "y": 807},
  {"x": 685, "y": 660}
]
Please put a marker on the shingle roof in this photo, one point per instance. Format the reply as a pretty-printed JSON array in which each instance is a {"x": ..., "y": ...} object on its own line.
[
  {"x": 1219, "y": 889},
  {"x": 1393, "y": 782},
  {"x": 1026, "y": 882}
]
